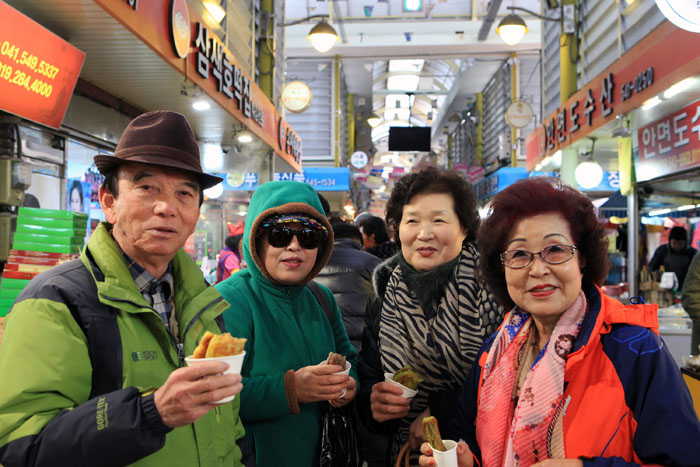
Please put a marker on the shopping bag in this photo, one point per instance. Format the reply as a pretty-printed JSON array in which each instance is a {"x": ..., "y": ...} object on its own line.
[
  {"x": 669, "y": 281},
  {"x": 339, "y": 438}
]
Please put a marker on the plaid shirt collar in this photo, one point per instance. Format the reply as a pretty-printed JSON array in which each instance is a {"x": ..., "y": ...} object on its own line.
[
  {"x": 158, "y": 293},
  {"x": 145, "y": 281}
]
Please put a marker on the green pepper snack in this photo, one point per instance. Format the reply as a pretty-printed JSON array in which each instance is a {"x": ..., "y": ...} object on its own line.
[
  {"x": 431, "y": 433},
  {"x": 406, "y": 376}
]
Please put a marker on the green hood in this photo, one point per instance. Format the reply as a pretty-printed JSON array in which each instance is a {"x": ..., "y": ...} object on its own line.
[{"x": 283, "y": 198}]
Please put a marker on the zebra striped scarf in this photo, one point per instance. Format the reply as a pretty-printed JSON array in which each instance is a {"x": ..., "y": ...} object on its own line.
[{"x": 441, "y": 346}]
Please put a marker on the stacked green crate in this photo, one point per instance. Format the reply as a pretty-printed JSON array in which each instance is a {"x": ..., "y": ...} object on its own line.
[
  {"x": 49, "y": 230},
  {"x": 44, "y": 238}
]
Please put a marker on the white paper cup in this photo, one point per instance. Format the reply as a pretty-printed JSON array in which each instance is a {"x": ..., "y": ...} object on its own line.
[
  {"x": 235, "y": 363},
  {"x": 446, "y": 458},
  {"x": 346, "y": 371},
  {"x": 408, "y": 393}
]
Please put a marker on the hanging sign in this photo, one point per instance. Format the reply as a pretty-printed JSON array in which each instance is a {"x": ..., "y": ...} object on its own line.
[
  {"x": 296, "y": 96},
  {"x": 359, "y": 159},
  {"x": 670, "y": 144},
  {"x": 643, "y": 72},
  {"x": 38, "y": 69},
  {"x": 181, "y": 37},
  {"x": 519, "y": 114}
]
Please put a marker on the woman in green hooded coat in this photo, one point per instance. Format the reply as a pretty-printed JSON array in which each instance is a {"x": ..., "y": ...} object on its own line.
[{"x": 286, "y": 385}]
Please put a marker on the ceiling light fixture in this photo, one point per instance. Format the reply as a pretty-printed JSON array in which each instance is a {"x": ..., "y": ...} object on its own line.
[
  {"x": 322, "y": 36},
  {"x": 512, "y": 28},
  {"x": 215, "y": 9},
  {"x": 374, "y": 120},
  {"x": 201, "y": 105}
]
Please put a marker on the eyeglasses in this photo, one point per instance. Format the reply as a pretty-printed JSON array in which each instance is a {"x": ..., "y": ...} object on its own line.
[
  {"x": 281, "y": 237},
  {"x": 552, "y": 254}
]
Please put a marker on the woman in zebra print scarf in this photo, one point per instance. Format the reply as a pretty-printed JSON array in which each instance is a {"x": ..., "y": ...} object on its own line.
[{"x": 435, "y": 313}]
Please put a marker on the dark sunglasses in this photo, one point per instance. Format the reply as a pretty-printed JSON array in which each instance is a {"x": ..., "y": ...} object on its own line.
[{"x": 281, "y": 237}]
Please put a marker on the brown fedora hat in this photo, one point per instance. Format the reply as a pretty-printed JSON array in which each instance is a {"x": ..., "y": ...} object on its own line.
[{"x": 161, "y": 138}]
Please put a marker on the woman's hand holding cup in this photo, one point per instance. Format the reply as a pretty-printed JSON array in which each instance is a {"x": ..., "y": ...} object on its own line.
[
  {"x": 387, "y": 402},
  {"x": 464, "y": 456},
  {"x": 319, "y": 383}
]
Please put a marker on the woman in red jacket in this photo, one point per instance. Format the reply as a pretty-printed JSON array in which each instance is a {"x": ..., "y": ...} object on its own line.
[{"x": 572, "y": 377}]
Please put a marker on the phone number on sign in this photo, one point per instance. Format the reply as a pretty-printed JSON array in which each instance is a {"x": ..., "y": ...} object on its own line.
[
  {"x": 32, "y": 62},
  {"x": 20, "y": 78}
]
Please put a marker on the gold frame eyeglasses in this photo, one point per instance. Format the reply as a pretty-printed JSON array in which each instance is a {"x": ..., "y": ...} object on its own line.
[{"x": 551, "y": 254}]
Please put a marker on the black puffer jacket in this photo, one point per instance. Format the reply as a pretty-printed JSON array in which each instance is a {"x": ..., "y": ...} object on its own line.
[{"x": 349, "y": 276}]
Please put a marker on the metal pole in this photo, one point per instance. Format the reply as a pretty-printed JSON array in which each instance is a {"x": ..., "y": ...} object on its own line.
[
  {"x": 633, "y": 242},
  {"x": 568, "y": 53},
  {"x": 514, "y": 96},
  {"x": 267, "y": 58}
]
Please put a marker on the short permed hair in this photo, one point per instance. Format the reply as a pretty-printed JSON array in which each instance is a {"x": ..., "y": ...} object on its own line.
[
  {"x": 432, "y": 180},
  {"x": 531, "y": 197}
]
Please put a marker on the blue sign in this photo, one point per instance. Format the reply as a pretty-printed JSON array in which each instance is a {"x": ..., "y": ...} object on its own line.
[
  {"x": 498, "y": 181},
  {"x": 240, "y": 181},
  {"x": 320, "y": 178}
]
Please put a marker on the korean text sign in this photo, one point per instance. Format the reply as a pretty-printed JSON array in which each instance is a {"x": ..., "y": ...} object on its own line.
[
  {"x": 670, "y": 144},
  {"x": 38, "y": 69}
]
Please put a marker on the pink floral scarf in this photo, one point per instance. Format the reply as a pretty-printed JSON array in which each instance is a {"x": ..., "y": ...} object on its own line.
[{"x": 522, "y": 431}]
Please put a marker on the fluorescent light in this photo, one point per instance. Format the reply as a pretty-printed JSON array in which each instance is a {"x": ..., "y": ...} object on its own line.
[
  {"x": 244, "y": 137},
  {"x": 201, "y": 105},
  {"x": 215, "y": 10},
  {"x": 679, "y": 87},
  {"x": 213, "y": 156},
  {"x": 659, "y": 212},
  {"x": 556, "y": 158},
  {"x": 648, "y": 104}
]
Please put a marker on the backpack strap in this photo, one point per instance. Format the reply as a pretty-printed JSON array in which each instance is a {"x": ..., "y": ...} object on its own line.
[
  {"x": 99, "y": 323},
  {"x": 322, "y": 300}
]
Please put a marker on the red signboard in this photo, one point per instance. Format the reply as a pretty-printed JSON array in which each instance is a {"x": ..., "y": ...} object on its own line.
[
  {"x": 182, "y": 38},
  {"x": 670, "y": 144},
  {"x": 38, "y": 69},
  {"x": 644, "y": 71}
]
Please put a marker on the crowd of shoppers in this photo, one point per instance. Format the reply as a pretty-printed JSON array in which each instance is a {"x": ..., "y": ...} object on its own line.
[{"x": 92, "y": 360}]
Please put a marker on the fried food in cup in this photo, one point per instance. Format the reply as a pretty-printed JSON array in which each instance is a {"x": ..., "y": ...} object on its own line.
[
  {"x": 201, "y": 350},
  {"x": 431, "y": 433},
  {"x": 218, "y": 345},
  {"x": 336, "y": 359},
  {"x": 406, "y": 376}
]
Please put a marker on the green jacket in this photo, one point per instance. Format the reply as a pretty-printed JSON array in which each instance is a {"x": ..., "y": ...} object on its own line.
[
  {"x": 691, "y": 289},
  {"x": 45, "y": 415},
  {"x": 286, "y": 330}
]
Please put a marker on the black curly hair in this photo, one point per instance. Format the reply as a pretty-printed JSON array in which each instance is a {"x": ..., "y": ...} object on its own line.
[{"x": 432, "y": 180}]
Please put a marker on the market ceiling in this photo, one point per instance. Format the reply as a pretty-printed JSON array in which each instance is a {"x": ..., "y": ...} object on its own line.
[{"x": 433, "y": 53}]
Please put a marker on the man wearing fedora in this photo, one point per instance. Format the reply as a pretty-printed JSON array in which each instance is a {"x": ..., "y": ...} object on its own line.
[{"x": 92, "y": 361}]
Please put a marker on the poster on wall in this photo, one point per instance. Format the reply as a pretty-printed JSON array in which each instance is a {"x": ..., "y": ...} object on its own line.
[{"x": 78, "y": 194}]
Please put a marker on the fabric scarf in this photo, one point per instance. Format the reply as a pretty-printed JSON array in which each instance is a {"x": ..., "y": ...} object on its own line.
[
  {"x": 521, "y": 431},
  {"x": 428, "y": 286}
]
